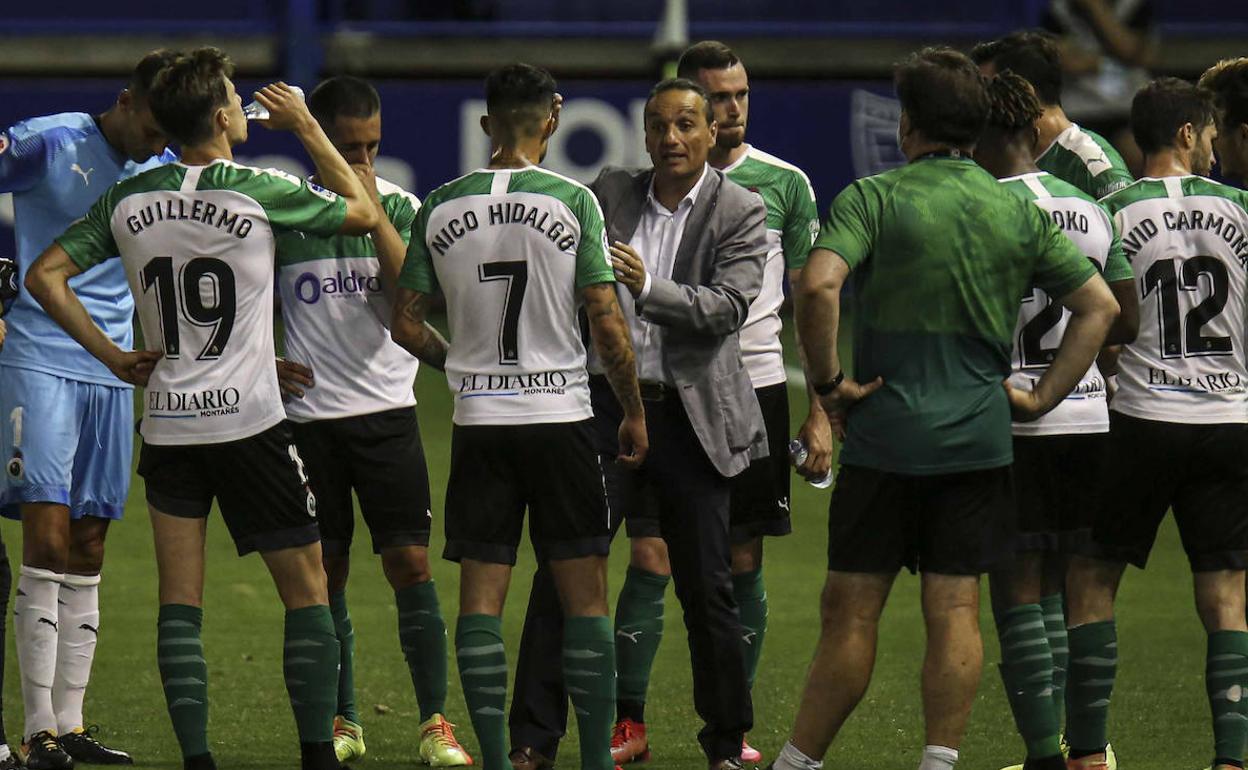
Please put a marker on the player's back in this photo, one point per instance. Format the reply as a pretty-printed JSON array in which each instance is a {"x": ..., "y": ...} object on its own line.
[
  {"x": 941, "y": 255},
  {"x": 1042, "y": 321},
  {"x": 1187, "y": 240},
  {"x": 57, "y": 166},
  {"x": 509, "y": 249},
  {"x": 197, "y": 245}
]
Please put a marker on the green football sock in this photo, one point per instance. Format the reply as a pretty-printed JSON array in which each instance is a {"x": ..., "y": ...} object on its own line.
[
  {"x": 422, "y": 635},
  {"x": 346, "y": 666},
  {"x": 1226, "y": 679},
  {"x": 483, "y": 674},
  {"x": 639, "y": 629},
  {"x": 184, "y": 674},
  {"x": 589, "y": 670},
  {"x": 752, "y": 604},
  {"x": 1055, "y": 629},
  {"x": 1027, "y": 671},
  {"x": 310, "y": 661},
  {"x": 1089, "y": 685}
]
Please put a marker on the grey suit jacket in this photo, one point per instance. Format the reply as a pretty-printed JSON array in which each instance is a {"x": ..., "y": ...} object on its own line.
[{"x": 717, "y": 273}]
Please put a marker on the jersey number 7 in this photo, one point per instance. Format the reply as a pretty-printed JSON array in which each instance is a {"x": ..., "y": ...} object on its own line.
[{"x": 516, "y": 274}]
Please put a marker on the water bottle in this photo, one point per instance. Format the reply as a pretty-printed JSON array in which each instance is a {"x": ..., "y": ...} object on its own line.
[
  {"x": 8, "y": 284},
  {"x": 257, "y": 111},
  {"x": 798, "y": 453}
]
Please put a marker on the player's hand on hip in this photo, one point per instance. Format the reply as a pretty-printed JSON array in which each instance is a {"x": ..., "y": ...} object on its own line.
[
  {"x": 634, "y": 442},
  {"x": 816, "y": 434},
  {"x": 135, "y": 366},
  {"x": 848, "y": 393},
  {"x": 1025, "y": 405},
  {"x": 292, "y": 378},
  {"x": 629, "y": 269},
  {"x": 287, "y": 110}
]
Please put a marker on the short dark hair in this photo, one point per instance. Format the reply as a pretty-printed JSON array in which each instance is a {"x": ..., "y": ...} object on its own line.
[
  {"x": 187, "y": 92},
  {"x": 1165, "y": 105},
  {"x": 1033, "y": 54},
  {"x": 1228, "y": 80},
  {"x": 343, "y": 96},
  {"x": 943, "y": 94},
  {"x": 706, "y": 55},
  {"x": 148, "y": 68},
  {"x": 519, "y": 94},
  {"x": 684, "y": 84},
  {"x": 1012, "y": 103}
]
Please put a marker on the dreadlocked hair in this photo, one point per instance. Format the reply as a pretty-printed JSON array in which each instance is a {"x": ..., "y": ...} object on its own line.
[{"x": 1012, "y": 102}]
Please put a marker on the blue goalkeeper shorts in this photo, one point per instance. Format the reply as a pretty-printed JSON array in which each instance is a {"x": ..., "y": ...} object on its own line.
[{"x": 64, "y": 441}]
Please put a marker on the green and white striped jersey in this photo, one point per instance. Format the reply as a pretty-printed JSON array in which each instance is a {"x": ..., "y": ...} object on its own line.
[
  {"x": 510, "y": 249},
  {"x": 1085, "y": 159},
  {"x": 792, "y": 226},
  {"x": 1187, "y": 240},
  {"x": 1042, "y": 321},
  {"x": 337, "y": 320},
  {"x": 197, "y": 245}
]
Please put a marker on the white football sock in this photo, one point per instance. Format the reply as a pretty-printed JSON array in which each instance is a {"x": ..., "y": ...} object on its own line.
[
  {"x": 938, "y": 758},
  {"x": 790, "y": 758},
  {"x": 79, "y": 625},
  {"x": 5, "y": 751},
  {"x": 35, "y": 619}
]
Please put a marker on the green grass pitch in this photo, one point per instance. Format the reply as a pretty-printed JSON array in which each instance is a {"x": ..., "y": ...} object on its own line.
[{"x": 1159, "y": 717}]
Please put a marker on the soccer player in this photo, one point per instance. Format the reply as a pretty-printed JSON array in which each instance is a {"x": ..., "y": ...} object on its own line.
[
  {"x": 515, "y": 250},
  {"x": 1179, "y": 423},
  {"x": 196, "y": 241},
  {"x": 1059, "y": 460},
  {"x": 354, "y": 421},
  {"x": 1065, "y": 150},
  {"x": 760, "y": 494},
  {"x": 67, "y": 433},
  {"x": 1228, "y": 81},
  {"x": 925, "y": 477}
]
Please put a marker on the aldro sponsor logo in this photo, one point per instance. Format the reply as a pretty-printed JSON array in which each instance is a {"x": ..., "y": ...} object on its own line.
[
  {"x": 217, "y": 402},
  {"x": 310, "y": 287}
]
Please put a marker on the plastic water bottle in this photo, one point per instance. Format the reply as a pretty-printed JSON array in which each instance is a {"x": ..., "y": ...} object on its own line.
[
  {"x": 257, "y": 111},
  {"x": 8, "y": 284},
  {"x": 798, "y": 453}
]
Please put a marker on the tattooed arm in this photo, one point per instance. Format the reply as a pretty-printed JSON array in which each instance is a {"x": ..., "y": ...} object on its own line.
[
  {"x": 412, "y": 332},
  {"x": 614, "y": 347}
]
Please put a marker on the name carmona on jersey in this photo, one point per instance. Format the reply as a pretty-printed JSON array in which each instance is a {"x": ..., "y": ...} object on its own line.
[
  {"x": 1174, "y": 221},
  {"x": 510, "y": 213},
  {"x": 176, "y": 210}
]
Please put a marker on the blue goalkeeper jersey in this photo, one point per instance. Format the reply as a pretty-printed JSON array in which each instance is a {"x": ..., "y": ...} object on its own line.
[{"x": 56, "y": 167}]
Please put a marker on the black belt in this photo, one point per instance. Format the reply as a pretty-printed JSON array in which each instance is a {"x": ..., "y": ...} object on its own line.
[{"x": 656, "y": 391}]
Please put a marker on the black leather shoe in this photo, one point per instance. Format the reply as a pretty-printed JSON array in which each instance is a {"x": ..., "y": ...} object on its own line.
[
  {"x": 83, "y": 747},
  {"x": 526, "y": 758}
]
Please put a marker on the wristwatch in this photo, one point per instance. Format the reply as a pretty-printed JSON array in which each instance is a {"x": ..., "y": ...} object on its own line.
[{"x": 824, "y": 388}]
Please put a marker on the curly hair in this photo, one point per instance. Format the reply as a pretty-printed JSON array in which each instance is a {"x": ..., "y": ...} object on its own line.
[{"x": 1012, "y": 102}]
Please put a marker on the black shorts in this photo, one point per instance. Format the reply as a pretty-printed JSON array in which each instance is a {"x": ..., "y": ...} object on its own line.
[
  {"x": 949, "y": 524},
  {"x": 760, "y": 493},
  {"x": 379, "y": 456},
  {"x": 1057, "y": 487},
  {"x": 1198, "y": 470},
  {"x": 259, "y": 483},
  {"x": 552, "y": 469}
]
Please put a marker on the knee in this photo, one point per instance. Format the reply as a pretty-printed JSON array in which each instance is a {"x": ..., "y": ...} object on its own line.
[
  {"x": 86, "y": 552},
  {"x": 747, "y": 557},
  {"x": 405, "y": 567},
  {"x": 337, "y": 569},
  {"x": 1220, "y": 603},
  {"x": 650, "y": 554},
  {"x": 48, "y": 553},
  {"x": 840, "y": 611}
]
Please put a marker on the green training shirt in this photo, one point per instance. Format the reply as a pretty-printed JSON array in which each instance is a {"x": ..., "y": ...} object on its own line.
[{"x": 941, "y": 255}]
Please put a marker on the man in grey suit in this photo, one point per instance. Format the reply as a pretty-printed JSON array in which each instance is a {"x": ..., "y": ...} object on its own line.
[{"x": 688, "y": 248}]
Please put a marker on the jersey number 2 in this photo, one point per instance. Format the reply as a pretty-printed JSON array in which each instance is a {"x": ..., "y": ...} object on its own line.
[
  {"x": 516, "y": 274},
  {"x": 198, "y": 277}
]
